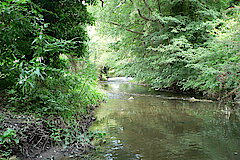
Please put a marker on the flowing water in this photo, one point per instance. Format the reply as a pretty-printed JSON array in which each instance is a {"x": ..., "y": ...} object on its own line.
[{"x": 141, "y": 123}]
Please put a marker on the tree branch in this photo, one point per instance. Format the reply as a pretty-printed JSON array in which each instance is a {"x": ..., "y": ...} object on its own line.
[
  {"x": 147, "y": 6},
  {"x": 143, "y": 17},
  {"x": 102, "y": 2},
  {"x": 116, "y": 24},
  {"x": 159, "y": 6}
]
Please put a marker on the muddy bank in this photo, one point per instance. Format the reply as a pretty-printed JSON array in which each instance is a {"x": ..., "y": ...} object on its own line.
[{"x": 34, "y": 138}]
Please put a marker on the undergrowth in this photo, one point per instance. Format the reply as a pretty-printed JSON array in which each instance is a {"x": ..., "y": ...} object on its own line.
[{"x": 55, "y": 111}]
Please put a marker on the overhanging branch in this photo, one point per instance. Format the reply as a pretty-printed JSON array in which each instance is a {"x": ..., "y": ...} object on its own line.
[
  {"x": 143, "y": 17},
  {"x": 116, "y": 24}
]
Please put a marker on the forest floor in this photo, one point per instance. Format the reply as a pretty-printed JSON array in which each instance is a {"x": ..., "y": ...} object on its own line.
[{"x": 31, "y": 138}]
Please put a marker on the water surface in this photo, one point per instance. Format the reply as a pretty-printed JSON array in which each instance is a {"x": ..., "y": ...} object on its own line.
[{"x": 164, "y": 126}]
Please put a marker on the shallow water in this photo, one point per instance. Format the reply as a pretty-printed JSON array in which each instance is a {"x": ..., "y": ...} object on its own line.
[{"x": 163, "y": 126}]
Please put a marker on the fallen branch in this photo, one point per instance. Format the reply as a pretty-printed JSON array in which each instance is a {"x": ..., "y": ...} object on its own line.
[{"x": 231, "y": 93}]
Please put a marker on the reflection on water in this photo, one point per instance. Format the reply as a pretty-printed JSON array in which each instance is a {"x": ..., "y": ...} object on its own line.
[{"x": 152, "y": 128}]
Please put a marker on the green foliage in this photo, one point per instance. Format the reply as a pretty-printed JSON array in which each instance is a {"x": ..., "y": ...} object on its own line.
[
  {"x": 44, "y": 69},
  {"x": 101, "y": 53},
  {"x": 218, "y": 64},
  {"x": 8, "y": 140},
  {"x": 32, "y": 62},
  {"x": 27, "y": 34},
  {"x": 18, "y": 25},
  {"x": 64, "y": 18},
  {"x": 64, "y": 96},
  {"x": 187, "y": 45}
]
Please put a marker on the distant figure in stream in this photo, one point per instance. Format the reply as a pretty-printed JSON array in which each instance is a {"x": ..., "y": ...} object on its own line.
[{"x": 104, "y": 73}]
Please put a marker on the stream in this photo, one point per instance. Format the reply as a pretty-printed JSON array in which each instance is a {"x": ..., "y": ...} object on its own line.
[{"x": 141, "y": 123}]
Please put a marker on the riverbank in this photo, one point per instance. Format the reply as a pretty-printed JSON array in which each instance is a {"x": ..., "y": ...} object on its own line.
[
  {"x": 29, "y": 137},
  {"x": 232, "y": 98},
  {"x": 56, "y": 111}
]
